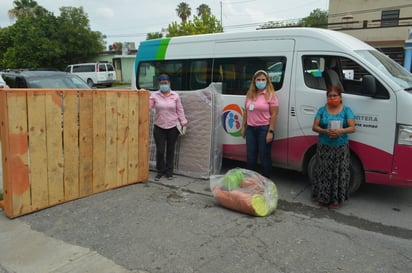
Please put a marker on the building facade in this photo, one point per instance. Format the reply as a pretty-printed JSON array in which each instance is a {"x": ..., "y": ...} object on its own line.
[{"x": 383, "y": 24}]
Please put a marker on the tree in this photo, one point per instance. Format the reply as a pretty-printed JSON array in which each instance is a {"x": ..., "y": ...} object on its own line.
[
  {"x": 154, "y": 35},
  {"x": 48, "y": 41},
  {"x": 203, "y": 10},
  {"x": 204, "y": 23},
  {"x": 184, "y": 11},
  {"x": 33, "y": 43},
  {"x": 26, "y": 8},
  {"x": 317, "y": 18},
  {"x": 78, "y": 41}
]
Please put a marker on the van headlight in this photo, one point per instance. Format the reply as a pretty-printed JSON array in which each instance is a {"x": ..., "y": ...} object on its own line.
[{"x": 405, "y": 135}]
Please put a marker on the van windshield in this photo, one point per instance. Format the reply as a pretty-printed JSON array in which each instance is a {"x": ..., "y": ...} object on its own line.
[{"x": 391, "y": 68}]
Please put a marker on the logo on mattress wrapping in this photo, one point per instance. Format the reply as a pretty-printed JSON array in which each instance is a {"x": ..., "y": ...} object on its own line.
[{"x": 232, "y": 119}]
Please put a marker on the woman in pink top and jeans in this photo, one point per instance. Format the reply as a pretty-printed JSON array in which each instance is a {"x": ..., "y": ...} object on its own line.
[
  {"x": 169, "y": 112},
  {"x": 259, "y": 120}
]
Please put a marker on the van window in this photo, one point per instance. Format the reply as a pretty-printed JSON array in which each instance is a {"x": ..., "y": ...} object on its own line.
[
  {"x": 320, "y": 71},
  {"x": 313, "y": 68},
  {"x": 235, "y": 74},
  {"x": 102, "y": 68},
  {"x": 353, "y": 74},
  {"x": 199, "y": 74},
  {"x": 110, "y": 67},
  {"x": 83, "y": 68},
  {"x": 150, "y": 71}
]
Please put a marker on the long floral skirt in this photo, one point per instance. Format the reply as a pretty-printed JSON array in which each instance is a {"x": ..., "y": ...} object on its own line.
[{"x": 332, "y": 174}]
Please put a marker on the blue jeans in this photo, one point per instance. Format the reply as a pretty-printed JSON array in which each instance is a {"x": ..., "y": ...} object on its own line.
[{"x": 256, "y": 146}]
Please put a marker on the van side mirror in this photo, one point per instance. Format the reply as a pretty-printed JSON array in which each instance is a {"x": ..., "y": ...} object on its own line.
[{"x": 369, "y": 85}]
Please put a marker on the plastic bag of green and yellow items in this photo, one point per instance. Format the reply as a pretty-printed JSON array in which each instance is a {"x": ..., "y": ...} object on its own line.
[{"x": 245, "y": 191}]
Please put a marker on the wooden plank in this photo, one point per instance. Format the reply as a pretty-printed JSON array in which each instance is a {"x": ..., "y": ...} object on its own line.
[
  {"x": 99, "y": 141},
  {"x": 86, "y": 144},
  {"x": 71, "y": 145},
  {"x": 133, "y": 151},
  {"x": 111, "y": 143},
  {"x": 122, "y": 136},
  {"x": 54, "y": 123},
  {"x": 16, "y": 180},
  {"x": 37, "y": 148},
  {"x": 143, "y": 135}
]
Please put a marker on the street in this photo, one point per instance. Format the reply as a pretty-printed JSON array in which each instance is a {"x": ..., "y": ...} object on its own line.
[{"x": 176, "y": 226}]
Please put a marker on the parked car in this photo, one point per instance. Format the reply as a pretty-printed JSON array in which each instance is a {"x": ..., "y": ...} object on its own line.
[
  {"x": 94, "y": 74},
  {"x": 2, "y": 82},
  {"x": 42, "y": 79}
]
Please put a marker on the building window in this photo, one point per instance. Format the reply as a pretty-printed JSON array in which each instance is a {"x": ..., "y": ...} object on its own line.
[{"x": 390, "y": 18}]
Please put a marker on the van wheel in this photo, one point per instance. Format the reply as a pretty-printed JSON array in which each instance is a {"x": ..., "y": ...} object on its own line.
[
  {"x": 356, "y": 172},
  {"x": 311, "y": 168},
  {"x": 357, "y": 175},
  {"x": 90, "y": 83}
]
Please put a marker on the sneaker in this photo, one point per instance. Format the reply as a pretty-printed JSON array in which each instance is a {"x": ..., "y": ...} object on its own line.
[
  {"x": 157, "y": 178},
  {"x": 169, "y": 177}
]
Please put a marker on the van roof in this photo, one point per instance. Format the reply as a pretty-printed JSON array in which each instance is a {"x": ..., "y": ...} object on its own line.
[
  {"x": 91, "y": 63},
  {"x": 313, "y": 38}
]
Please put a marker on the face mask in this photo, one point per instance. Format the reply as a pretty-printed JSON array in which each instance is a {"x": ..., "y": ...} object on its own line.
[
  {"x": 334, "y": 101},
  {"x": 260, "y": 85},
  {"x": 164, "y": 87}
]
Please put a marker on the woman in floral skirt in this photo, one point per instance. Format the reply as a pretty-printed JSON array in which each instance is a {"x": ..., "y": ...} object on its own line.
[{"x": 333, "y": 122}]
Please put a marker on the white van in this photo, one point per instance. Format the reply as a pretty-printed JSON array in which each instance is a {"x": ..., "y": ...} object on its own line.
[
  {"x": 301, "y": 62},
  {"x": 94, "y": 74}
]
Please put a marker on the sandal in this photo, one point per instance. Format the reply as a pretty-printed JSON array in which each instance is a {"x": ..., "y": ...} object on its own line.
[
  {"x": 319, "y": 203},
  {"x": 333, "y": 206}
]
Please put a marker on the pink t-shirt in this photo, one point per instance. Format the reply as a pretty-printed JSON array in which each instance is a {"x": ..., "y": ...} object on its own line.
[
  {"x": 258, "y": 113},
  {"x": 169, "y": 110}
]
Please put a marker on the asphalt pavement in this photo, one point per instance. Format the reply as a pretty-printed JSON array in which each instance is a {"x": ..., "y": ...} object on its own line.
[{"x": 176, "y": 226}]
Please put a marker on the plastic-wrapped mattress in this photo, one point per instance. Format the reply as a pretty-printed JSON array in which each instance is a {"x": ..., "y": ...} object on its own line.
[{"x": 199, "y": 151}]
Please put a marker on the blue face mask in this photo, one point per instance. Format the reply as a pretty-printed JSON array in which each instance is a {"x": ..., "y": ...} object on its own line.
[
  {"x": 164, "y": 87},
  {"x": 260, "y": 85}
]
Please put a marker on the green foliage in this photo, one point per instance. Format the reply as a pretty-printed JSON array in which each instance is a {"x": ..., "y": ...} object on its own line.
[
  {"x": 317, "y": 18},
  {"x": 26, "y": 8},
  {"x": 183, "y": 11},
  {"x": 154, "y": 35},
  {"x": 42, "y": 40},
  {"x": 204, "y": 23},
  {"x": 78, "y": 42},
  {"x": 203, "y": 10}
]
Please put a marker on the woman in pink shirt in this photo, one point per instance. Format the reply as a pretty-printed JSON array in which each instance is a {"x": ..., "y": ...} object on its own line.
[
  {"x": 259, "y": 120},
  {"x": 169, "y": 113}
]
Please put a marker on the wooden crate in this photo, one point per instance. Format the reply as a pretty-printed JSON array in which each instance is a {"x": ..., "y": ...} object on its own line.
[{"x": 60, "y": 145}]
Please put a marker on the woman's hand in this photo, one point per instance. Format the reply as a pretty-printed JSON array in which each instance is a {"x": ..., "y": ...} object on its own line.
[
  {"x": 334, "y": 133},
  {"x": 243, "y": 131},
  {"x": 269, "y": 137}
]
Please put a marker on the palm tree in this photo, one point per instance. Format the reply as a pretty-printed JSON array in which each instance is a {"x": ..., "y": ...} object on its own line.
[
  {"x": 203, "y": 10},
  {"x": 183, "y": 11},
  {"x": 25, "y": 7}
]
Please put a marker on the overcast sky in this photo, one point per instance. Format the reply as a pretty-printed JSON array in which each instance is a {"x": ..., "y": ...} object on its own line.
[{"x": 131, "y": 20}]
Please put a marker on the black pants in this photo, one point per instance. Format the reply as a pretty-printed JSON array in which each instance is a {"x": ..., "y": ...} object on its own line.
[{"x": 165, "y": 140}]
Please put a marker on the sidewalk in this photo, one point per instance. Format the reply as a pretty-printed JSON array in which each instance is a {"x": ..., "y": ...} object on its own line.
[{"x": 26, "y": 251}]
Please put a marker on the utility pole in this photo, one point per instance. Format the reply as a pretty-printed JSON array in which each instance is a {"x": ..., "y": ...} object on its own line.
[{"x": 221, "y": 12}]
